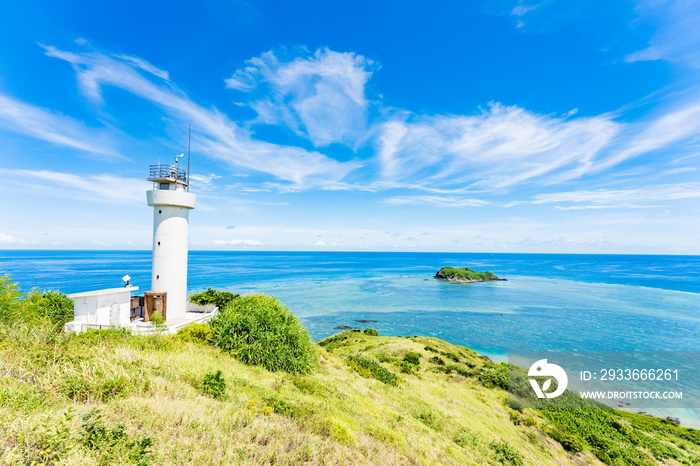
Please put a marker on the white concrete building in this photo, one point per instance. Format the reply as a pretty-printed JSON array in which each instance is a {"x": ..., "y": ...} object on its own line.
[
  {"x": 101, "y": 309},
  {"x": 171, "y": 202}
]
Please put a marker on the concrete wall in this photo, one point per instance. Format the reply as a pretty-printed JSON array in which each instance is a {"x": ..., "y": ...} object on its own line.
[
  {"x": 103, "y": 307},
  {"x": 170, "y": 234}
]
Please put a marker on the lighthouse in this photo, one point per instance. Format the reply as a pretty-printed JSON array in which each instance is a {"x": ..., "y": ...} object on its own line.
[{"x": 171, "y": 202}]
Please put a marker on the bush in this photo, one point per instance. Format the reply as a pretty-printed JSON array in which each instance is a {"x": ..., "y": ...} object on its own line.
[
  {"x": 370, "y": 369},
  {"x": 55, "y": 306},
  {"x": 37, "y": 307},
  {"x": 371, "y": 332},
  {"x": 198, "y": 333},
  {"x": 506, "y": 454},
  {"x": 437, "y": 360},
  {"x": 112, "y": 441},
  {"x": 569, "y": 442},
  {"x": 218, "y": 298},
  {"x": 214, "y": 385},
  {"x": 495, "y": 377},
  {"x": 412, "y": 358},
  {"x": 258, "y": 330}
]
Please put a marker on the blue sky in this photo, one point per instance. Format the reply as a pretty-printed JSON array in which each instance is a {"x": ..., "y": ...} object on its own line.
[{"x": 500, "y": 126}]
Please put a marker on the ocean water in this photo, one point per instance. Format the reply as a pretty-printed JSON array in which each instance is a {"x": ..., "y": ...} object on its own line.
[{"x": 549, "y": 302}]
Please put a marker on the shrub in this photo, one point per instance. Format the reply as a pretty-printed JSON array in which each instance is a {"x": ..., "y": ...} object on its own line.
[
  {"x": 199, "y": 333},
  {"x": 371, "y": 332},
  {"x": 258, "y": 330},
  {"x": 214, "y": 385},
  {"x": 412, "y": 358},
  {"x": 431, "y": 349},
  {"x": 437, "y": 360},
  {"x": 458, "y": 369},
  {"x": 506, "y": 454},
  {"x": 218, "y": 298},
  {"x": 514, "y": 417},
  {"x": 370, "y": 369},
  {"x": 49, "y": 307},
  {"x": 464, "y": 437},
  {"x": 112, "y": 441},
  {"x": 495, "y": 377},
  {"x": 569, "y": 442},
  {"x": 55, "y": 306}
]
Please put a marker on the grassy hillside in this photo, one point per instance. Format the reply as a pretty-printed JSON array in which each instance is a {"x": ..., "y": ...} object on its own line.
[{"x": 108, "y": 397}]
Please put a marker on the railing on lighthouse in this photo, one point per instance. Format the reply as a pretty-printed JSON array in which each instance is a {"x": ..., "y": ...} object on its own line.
[{"x": 169, "y": 177}]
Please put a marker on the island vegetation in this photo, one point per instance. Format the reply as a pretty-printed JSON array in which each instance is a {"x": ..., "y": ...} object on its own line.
[
  {"x": 198, "y": 397},
  {"x": 465, "y": 275}
]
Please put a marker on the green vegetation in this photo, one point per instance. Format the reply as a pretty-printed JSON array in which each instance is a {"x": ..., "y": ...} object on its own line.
[
  {"x": 214, "y": 385},
  {"x": 465, "y": 275},
  {"x": 370, "y": 369},
  {"x": 258, "y": 330},
  {"x": 201, "y": 333},
  {"x": 412, "y": 358},
  {"x": 33, "y": 308},
  {"x": 218, "y": 298},
  {"x": 107, "y": 397},
  {"x": 371, "y": 332}
]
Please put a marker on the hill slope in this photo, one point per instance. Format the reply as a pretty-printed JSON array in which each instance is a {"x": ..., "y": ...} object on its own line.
[{"x": 107, "y": 397}]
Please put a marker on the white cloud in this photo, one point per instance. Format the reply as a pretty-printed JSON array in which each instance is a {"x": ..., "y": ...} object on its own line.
[
  {"x": 621, "y": 198},
  {"x": 439, "y": 201},
  {"x": 215, "y": 134},
  {"x": 500, "y": 147},
  {"x": 318, "y": 243},
  {"x": 5, "y": 238},
  {"x": 675, "y": 125},
  {"x": 520, "y": 10},
  {"x": 96, "y": 188},
  {"x": 677, "y": 36},
  {"x": 321, "y": 97},
  {"x": 53, "y": 127},
  {"x": 237, "y": 242}
]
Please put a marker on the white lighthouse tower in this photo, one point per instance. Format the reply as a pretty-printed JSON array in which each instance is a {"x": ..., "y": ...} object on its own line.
[{"x": 171, "y": 202}]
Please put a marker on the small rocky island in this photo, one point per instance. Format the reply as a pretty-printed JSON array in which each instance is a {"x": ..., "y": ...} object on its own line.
[{"x": 465, "y": 275}]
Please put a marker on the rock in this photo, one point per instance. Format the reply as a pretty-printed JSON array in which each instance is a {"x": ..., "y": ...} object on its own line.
[
  {"x": 343, "y": 327},
  {"x": 675, "y": 420},
  {"x": 367, "y": 321}
]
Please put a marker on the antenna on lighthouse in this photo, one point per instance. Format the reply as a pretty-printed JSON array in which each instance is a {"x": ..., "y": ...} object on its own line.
[{"x": 189, "y": 141}]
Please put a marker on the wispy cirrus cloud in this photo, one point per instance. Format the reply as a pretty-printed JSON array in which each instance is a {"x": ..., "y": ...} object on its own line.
[
  {"x": 438, "y": 201},
  {"x": 320, "y": 96},
  {"x": 52, "y": 127},
  {"x": 620, "y": 198},
  {"x": 677, "y": 35},
  {"x": 104, "y": 188},
  {"x": 497, "y": 148},
  {"x": 217, "y": 135}
]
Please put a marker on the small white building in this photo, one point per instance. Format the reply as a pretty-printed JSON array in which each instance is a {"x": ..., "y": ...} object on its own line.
[{"x": 101, "y": 309}]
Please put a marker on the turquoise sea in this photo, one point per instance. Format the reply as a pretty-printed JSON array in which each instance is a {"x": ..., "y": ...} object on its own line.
[{"x": 549, "y": 302}]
